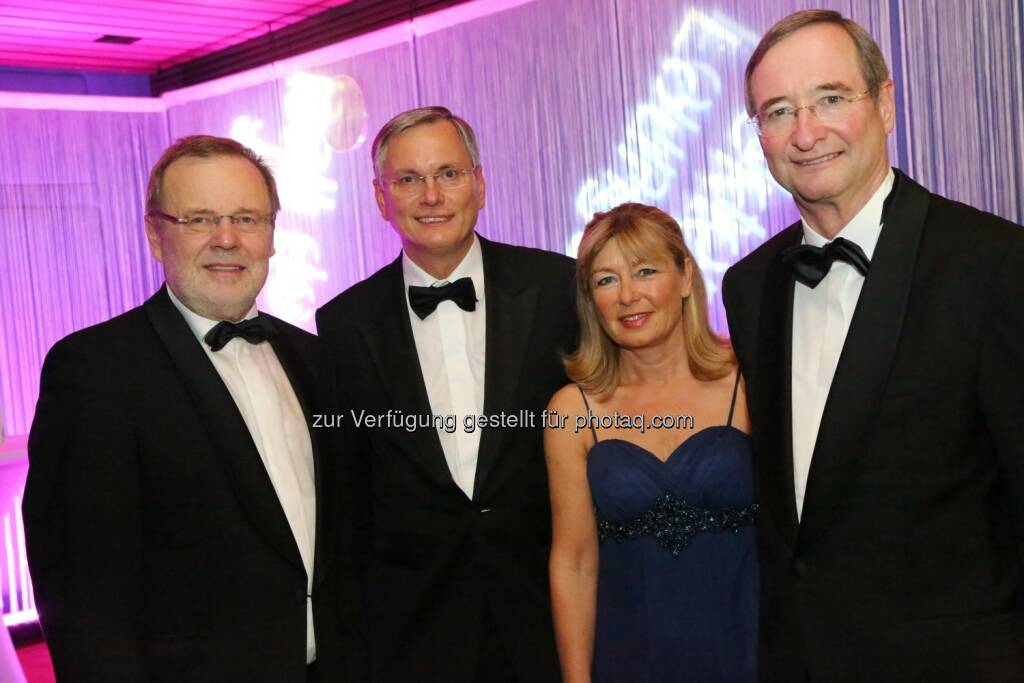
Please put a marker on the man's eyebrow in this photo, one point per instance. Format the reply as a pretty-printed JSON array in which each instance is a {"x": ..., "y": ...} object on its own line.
[
  {"x": 769, "y": 102},
  {"x": 211, "y": 212},
  {"x": 823, "y": 87},
  {"x": 835, "y": 85},
  {"x": 440, "y": 167}
]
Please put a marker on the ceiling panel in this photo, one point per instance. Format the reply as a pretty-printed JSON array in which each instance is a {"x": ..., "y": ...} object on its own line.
[{"x": 61, "y": 34}]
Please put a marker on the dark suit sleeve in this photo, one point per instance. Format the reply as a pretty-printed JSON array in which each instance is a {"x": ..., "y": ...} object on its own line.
[
  {"x": 83, "y": 523},
  {"x": 349, "y": 449},
  {"x": 348, "y": 443},
  {"x": 732, "y": 314},
  {"x": 1001, "y": 381},
  {"x": 727, "y": 297},
  {"x": 353, "y": 451}
]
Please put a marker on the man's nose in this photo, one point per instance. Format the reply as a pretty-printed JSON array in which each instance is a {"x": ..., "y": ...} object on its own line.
[
  {"x": 225, "y": 234},
  {"x": 431, "y": 191},
  {"x": 807, "y": 129}
]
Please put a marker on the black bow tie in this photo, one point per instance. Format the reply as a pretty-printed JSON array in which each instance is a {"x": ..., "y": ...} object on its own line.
[
  {"x": 811, "y": 264},
  {"x": 425, "y": 299},
  {"x": 255, "y": 330}
]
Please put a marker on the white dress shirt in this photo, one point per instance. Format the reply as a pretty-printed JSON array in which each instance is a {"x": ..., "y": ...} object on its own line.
[
  {"x": 451, "y": 345},
  {"x": 821, "y": 320},
  {"x": 265, "y": 398}
]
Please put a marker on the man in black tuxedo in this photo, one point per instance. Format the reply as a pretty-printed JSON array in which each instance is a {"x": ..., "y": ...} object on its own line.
[
  {"x": 456, "y": 530},
  {"x": 180, "y": 514},
  {"x": 882, "y": 342}
]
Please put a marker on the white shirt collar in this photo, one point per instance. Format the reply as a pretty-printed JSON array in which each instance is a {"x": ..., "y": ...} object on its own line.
[
  {"x": 199, "y": 325},
  {"x": 864, "y": 228},
  {"x": 471, "y": 266}
]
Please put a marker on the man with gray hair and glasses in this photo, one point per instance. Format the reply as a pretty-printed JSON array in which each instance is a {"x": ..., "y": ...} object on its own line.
[
  {"x": 180, "y": 514},
  {"x": 881, "y": 338},
  {"x": 455, "y": 525}
]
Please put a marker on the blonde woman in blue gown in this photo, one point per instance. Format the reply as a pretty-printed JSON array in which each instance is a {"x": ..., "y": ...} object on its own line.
[{"x": 653, "y": 562}]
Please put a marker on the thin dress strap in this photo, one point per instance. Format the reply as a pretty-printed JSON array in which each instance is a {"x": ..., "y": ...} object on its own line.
[
  {"x": 590, "y": 413},
  {"x": 732, "y": 406}
]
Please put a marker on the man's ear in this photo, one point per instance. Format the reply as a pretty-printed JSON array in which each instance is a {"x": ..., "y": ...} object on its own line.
[
  {"x": 887, "y": 105},
  {"x": 378, "y": 194},
  {"x": 153, "y": 238},
  {"x": 481, "y": 187}
]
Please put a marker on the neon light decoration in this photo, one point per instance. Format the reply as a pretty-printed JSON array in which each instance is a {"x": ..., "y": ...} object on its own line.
[
  {"x": 302, "y": 160},
  {"x": 728, "y": 187},
  {"x": 293, "y": 270},
  {"x": 322, "y": 115},
  {"x": 20, "y": 606}
]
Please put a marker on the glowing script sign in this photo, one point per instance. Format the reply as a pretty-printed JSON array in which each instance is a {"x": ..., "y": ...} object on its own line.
[
  {"x": 725, "y": 184},
  {"x": 303, "y": 159},
  {"x": 321, "y": 116},
  {"x": 293, "y": 270}
]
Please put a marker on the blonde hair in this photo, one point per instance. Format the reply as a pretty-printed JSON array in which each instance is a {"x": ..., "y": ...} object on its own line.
[{"x": 640, "y": 231}]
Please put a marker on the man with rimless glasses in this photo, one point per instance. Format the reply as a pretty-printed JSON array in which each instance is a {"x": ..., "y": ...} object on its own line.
[
  {"x": 180, "y": 515},
  {"x": 882, "y": 341},
  {"x": 455, "y": 524}
]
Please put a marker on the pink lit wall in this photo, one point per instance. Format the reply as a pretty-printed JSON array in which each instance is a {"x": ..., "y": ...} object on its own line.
[{"x": 578, "y": 104}]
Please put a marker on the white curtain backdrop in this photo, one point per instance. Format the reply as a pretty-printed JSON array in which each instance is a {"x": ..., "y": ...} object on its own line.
[{"x": 579, "y": 104}]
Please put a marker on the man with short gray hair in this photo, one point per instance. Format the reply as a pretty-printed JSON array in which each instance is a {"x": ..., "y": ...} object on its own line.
[
  {"x": 180, "y": 514},
  {"x": 456, "y": 528},
  {"x": 881, "y": 338}
]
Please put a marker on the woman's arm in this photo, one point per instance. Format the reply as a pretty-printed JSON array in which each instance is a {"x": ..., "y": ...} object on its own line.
[{"x": 573, "y": 563}]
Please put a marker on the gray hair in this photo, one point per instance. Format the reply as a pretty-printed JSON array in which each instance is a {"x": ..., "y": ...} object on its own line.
[
  {"x": 416, "y": 117},
  {"x": 872, "y": 64},
  {"x": 204, "y": 147}
]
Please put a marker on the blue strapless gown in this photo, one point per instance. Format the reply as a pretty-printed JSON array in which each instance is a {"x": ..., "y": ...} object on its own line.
[{"x": 682, "y": 605}]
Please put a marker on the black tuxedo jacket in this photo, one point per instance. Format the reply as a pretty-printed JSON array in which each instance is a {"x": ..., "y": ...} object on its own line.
[
  {"x": 157, "y": 545},
  {"x": 907, "y": 561},
  {"x": 435, "y": 560}
]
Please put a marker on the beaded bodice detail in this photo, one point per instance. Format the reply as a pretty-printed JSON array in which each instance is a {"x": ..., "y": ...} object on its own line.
[
  {"x": 674, "y": 522},
  {"x": 698, "y": 489}
]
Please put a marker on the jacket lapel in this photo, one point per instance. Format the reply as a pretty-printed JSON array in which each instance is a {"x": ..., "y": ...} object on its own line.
[
  {"x": 387, "y": 335},
  {"x": 867, "y": 355},
  {"x": 771, "y": 405},
  {"x": 300, "y": 376},
  {"x": 511, "y": 304},
  {"x": 224, "y": 425}
]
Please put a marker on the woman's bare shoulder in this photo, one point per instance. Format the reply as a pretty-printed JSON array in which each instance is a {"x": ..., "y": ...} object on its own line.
[{"x": 568, "y": 400}]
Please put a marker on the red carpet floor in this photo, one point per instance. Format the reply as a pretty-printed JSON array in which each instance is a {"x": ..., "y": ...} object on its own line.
[{"x": 35, "y": 662}]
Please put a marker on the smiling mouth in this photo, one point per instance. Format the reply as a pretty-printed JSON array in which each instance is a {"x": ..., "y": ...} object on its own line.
[
  {"x": 432, "y": 220},
  {"x": 818, "y": 160},
  {"x": 634, "y": 320},
  {"x": 224, "y": 268}
]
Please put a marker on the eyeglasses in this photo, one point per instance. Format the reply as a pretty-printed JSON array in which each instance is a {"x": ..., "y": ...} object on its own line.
[
  {"x": 206, "y": 223},
  {"x": 780, "y": 120},
  {"x": 413, "y": 183}
]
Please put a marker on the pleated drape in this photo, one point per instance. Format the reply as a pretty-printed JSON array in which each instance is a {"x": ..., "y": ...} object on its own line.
[{"x": 578, "y": 105}]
